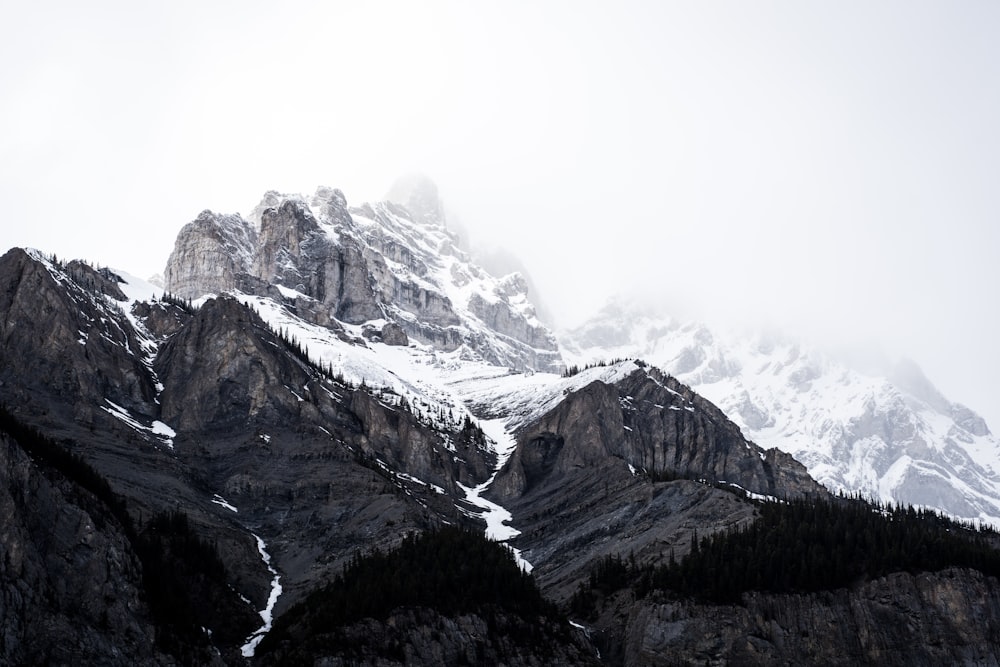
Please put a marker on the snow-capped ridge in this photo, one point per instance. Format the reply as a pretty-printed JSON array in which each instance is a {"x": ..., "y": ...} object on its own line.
[{"x": 891, "y": 435}]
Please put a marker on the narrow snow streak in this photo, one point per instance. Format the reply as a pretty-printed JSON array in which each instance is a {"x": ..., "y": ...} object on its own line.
[
  {"x": 496, "y": 516},
  {"x": 219, "y": 500},
  {"x": 266, "y": 614},
  {"x": 751, "y": 494},
  {"x": 158, "y": 428}
]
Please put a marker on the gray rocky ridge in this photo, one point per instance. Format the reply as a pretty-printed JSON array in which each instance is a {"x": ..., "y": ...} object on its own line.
[{"x": 380, "y": 261}]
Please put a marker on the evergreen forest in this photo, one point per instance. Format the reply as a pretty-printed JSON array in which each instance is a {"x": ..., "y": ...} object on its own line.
[{"x": 799, "y": 546}]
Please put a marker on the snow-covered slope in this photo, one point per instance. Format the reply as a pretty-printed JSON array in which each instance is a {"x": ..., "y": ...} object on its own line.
[{"x": 887, "y": 435}]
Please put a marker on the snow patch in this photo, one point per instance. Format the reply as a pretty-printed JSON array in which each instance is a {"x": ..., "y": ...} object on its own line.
[
  {"x": 137, "y": 289},
  {"x": 750, "y": 494},
  {"x": 164, "y": 431},
  {"x": 219, "y": 500},
  {"x": 291, "y": 293},
  {"x": 410, "y": 478},
  {"x": 158, "y": 429}
]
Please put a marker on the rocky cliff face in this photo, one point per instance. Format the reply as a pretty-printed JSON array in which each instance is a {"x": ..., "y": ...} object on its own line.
[
  {"x": 92, "y": 354},
  {"x": 944, "y": 618},
  {"x": 70, "y": 583},
  {"x": 373, "y": 263},
  {"x": 210, "y": 255},
  {"x": 590, "y": 476},
  {"x": 652, "y": 423}
]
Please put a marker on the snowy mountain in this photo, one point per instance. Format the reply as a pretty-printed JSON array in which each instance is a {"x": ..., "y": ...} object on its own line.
[
  {"x": 887, "y": 434},
  {"x": 232, "y": 465}
]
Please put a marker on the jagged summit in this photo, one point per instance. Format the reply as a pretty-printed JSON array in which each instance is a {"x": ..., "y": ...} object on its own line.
[{"x": 377, "y": 263}]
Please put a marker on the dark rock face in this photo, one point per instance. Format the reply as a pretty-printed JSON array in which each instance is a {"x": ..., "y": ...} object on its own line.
[
  {"x": 425, "y": 637},
  {"x": 393, "y": 334},
  {"x": 101, "y": 281},
  {"x": 566, "y": 529},
  {"x": 67, "y": 341},
  {"x": 69, "y": 581},
  {"x": 217, "y": 375},
  {"x": 943, "y": 618},
  {"x": 655, "y": 424},
  {"x": 308, "y": 463},
  {"x": 161, "y": 319}
]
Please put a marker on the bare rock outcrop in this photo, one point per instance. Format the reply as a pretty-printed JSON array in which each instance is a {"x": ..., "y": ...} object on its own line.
[
  {"x": 70, "y": 338},
  {"x": 210, "y": 255},
  {"x": 655, "y": 424}
]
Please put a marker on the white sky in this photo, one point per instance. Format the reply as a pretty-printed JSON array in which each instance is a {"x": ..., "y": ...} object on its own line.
[{"x": 828, "y": 167}]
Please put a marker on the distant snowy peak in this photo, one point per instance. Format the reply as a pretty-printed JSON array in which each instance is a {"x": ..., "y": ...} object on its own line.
[
  {"x": 888, "y": 434},
  {"x": 374, "y": 263}
]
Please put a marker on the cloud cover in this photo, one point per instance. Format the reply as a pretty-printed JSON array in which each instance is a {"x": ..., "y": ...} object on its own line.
[{"x": 828, "y": 168}]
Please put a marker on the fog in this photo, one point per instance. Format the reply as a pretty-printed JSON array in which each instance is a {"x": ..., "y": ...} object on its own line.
[{"x": 829, "y": 169}]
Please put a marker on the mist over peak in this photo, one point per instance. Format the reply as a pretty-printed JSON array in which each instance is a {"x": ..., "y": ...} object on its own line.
[{"x": 419, "y": 195}]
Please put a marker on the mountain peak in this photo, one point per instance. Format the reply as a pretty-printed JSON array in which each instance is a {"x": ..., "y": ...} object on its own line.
[
  {"x": 366, "y": 264},
  {"x": 419, "y": 195}
]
